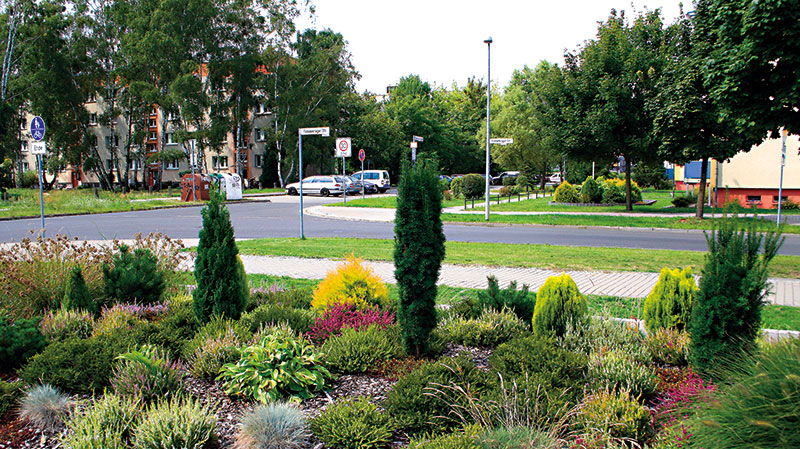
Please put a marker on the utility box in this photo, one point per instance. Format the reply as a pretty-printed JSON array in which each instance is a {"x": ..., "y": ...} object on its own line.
[
  {"x": 201, "y": 185},
  {"x": 231, "y": 184}
]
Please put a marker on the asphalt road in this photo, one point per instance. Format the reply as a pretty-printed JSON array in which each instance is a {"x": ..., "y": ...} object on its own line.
[{"x": 280, "y": 218}]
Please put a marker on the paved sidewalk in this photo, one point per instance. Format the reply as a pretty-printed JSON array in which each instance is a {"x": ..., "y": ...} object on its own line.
[{"x": 624, "y": 284}]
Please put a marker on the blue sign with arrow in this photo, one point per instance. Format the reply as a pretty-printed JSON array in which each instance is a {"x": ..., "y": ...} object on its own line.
[{"x": 37, "y": 128}]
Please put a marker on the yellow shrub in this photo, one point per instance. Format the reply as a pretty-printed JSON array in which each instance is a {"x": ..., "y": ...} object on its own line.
[{"x": 350, "y": 283}]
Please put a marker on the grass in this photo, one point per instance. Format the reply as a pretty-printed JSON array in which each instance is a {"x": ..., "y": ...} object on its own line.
[{"x": 507, "y": 254}]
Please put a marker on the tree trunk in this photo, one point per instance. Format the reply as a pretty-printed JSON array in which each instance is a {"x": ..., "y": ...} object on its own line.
[
  {"x": 701, "y": 195},
  {"x": 544, "y": 176},
  {"x": 628, "y": 199}
]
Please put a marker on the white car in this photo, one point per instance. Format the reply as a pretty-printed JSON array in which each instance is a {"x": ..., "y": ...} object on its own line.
[
  {"x": 319, "y": 185},
  {"x": 378, "y": 177}
]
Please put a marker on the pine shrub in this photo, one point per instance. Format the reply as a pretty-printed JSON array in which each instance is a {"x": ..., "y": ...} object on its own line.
[
  {"x": 176, "y": 423},
  {"x": 19, "y": 341},
  {"x": 276, "y": 425},
  {"x": 10, "y": 392},
  {"x": 418, "y": 253},
  {"x": 669, "y": 305},
  {"x": 222, "y": 287},
  {"x": 134, "y": 277},
  {"x": 726, "y": 317},
  {"x": 591, "y": 192},
  {"x": 45, "y": 407},
  {"x": 558, "y": 304},
  {"x": 76, "y": 295},
  {"x": 353, "y": 424},
  {"x": 357, "y": 351},
  {"x": 351, "y": 283},
  {"x": 566, "y": 193},
  {"x": 519, "y": 301},
  {"x": 106, "y": 423}
]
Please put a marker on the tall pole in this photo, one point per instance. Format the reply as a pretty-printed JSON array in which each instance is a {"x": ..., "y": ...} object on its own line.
[
  {"x": 41, "y": 191},
  {"x": 488, "y": 43},
  {"x": 346, "y": 181},
  {"x": 300, "y": 170},
  {"x": 780, "y": 185}
]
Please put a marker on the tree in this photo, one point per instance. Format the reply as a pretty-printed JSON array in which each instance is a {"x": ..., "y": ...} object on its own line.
[
  {"x": 418, "y": 252},
  {"x": 373, "y": 130}
]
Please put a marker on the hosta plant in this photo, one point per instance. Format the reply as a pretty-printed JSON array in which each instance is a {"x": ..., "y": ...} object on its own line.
[{"x": 146, "y": 373}]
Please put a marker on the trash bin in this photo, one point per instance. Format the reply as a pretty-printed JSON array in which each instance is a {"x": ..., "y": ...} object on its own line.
[
  {"x": 231, "y": 184},
  {"x": 202, "y": 184}
]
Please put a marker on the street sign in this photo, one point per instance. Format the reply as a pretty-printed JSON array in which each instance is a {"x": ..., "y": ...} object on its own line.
[
  {"x": 37, "y": 128},
  {"x": 417, "y": 139},
  {"x": 362, "y": 155},
  {"x": 38, "y": 148},
  {"x": 413, "y": 144},
  {"x": 501, "y": 141},
  {"x": 344, "y": 147},
  {"x": 325, "y": 131}
]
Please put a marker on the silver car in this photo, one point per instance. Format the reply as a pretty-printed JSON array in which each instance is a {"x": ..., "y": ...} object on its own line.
[{"x": 319, "y": 185}]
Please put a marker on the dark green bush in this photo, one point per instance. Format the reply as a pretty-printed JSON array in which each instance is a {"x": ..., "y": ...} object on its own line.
[
  {"x": 489, "y": 329},
  {"x": 10, "y": 393},
  {"x": 510, "y": 181},
  {"x": 300, "y": 320},
  {"x": 591, "y": 192},
  {"x": 559, "y": 303},
  {"x": 357, "y": 351},
  {"x": 472, "y": 186},
  {"x": 215, "y": 328},
  {"x": 683, "y": 201},
  {"x": 669, "y": 305},
  {"x": 353, "y": 424},
  {"x": 19, "y": 340},
  {"x": 77, "y": 294},
  {"x": 175, "y": 328},
  {"x": 462, "y": 439},
  {"x": 134, "y": 277},
  {"x": 519, "y": 301},
  {"x": 418, "y": 412}
]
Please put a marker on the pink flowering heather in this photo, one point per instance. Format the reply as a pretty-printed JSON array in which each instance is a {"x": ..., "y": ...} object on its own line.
[
  {"x": 342, "y": 316},
  {"x": 676, "y": 405}
]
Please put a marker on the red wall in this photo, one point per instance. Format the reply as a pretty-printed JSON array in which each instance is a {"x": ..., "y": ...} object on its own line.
[{"x": 728, "y": 195}]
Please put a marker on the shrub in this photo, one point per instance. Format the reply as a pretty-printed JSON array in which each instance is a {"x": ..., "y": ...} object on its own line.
[
  {"x": 490, "y": 329},
  {"x": 353, "y": 424},
  {"x": 10, "y": 392},
  {"x": 174, "y": 327},
  {"x": 616, "y": 370},
  {"x": 558, "y": 303},
  {"x": 134, "y": 277},
  {"x": 222, "y": 287},
  {"x": 591, "y": 192},
  {"x": 684, "y": 200},
  {"x": 416, "y": 409},
  {"x": 418, "y": 253},
  {"x": 356, "y": 351},
  {"x": 216, "y": 328},
  {"x": 174, "y": 423},
  {"x": 350, "y": 283},
  {"x": 146, "y": 373},
  {"x": 669, "y": 305},
  {"x": 444, "y": 185},
  {"x": 105, "y": 423},
  {"x": 676, "y": 406},
  {"x": 115, "y": 319},
  {"x": 524, "y": 182},
  {"x": 668, "y": 347},
  {"x": 300, "y": 320},
  {"x": 276, "y": 425},
  {"x": 472, "y": 186},
  {"x": 19, "y": 340},
  {"x": 466, "y": 439},
  {"x": 455, "y": 187},
  {"x": 604, "y": 335},
  {"x": 614, "y": 191},
  {"x": 566, "y": 193},
  {"x": 614, "y": 413},
  {"x": 726, "y": 317},
  {"x": 45, "y": 407},
  {"x": 504, "y": 191},
  {"x": 519, "y": 437},
  {"x": 342, "y": 316},
  {"x": 209, "y": 357},
  {"x": 276, "y": 367},
  {"x": 76, "y": 295},
  {"x": 65, "y": 323},
  {"x": 519, "y": 301},
  {"x": 788, "y": 204}
]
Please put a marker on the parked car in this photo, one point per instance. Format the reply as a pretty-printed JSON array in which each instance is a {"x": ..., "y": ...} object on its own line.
[
  {"x": 368, "y": 186},
  {"x": 378, "y": 177},
  {"x": 555, "y": 178},
  {"x": 447, "y": 178},
  {"x": 320, "y": 185},
  {"x": 498, "y": 180}
]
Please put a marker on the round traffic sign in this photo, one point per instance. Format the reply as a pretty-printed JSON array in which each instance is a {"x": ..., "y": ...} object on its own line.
[
  {"x": 37, "y": 128},
  {"x": 362, "y": 155},
  {"x": 343, "y": 146}
]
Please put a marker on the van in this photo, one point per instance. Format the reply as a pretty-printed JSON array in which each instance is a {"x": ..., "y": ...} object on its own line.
[{"x": 378, "y": 177}]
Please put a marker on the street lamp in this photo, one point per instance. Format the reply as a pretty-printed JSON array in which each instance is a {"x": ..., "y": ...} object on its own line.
[{"x": 488, "y": 43}]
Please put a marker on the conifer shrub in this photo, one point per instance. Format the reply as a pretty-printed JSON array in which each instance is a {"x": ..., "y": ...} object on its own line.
[
  {"x": 591, "y": 192},
  {"x": 65, "y": 323},
  {"x": 669, "y": 305},
  {"x": 76, "y": 295},
  {"x": 45, "y": 407},
  {"x": 351, "y": 282},
  {"x": 107, "y": 422},
  {"x": 222, "y": 287},
  {"x": 566, "y": 193},
  {"x": 277, "y": 425},
  {"x": 19, "y": 340},
  {"x": 519, "y": 301},
  {"x": 134, "y": 277},
  {"x": 558, "y": 304},
  {"x": 357, "y": 351},
  {"x": 418, "y": 253},
  {"x": 353, "y": 424},
  {"x": 176, "y": 422},
  {"x": 726, "y": 317},
  {"x": 490, "y": 329}
]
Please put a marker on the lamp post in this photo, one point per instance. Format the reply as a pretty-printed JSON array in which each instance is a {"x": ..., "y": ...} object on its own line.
[{"x": 488, "y": 43}]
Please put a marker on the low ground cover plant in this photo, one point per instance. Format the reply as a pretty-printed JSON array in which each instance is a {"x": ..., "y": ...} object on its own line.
[
  {"x": 176, "y": 422},
  {"x": 612, "y": 416},
  {"x": 65, "y": 323},
  {"x": 353, "y": 424},
  {"x": 357, "y": 351},
  {"x": 617, "y": 370},
  {"x": 107, "y": 422},
  {"x": 213, "y": 353},
  {"x": 491, "y": 328},
  {"x": 147, "y": 373},
  {"x": 299, "y": 320}
]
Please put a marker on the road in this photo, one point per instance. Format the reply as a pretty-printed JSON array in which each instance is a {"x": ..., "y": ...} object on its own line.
[{"x": 280, "y": 218}]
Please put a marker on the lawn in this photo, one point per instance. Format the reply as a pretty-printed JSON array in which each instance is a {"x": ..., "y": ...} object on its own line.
[{"x": 506, "y": 254}]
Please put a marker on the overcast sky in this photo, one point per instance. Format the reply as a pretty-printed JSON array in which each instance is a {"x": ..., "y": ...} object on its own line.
[{"x": 442, "y": 40}]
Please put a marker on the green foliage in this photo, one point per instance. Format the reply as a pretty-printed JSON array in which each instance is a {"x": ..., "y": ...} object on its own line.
[
  {"x": 566, "y": 193},
  {"x": 105, "y": 423},
  {"x": 10, "y": 392},
  {"x": 214, "y": 352},
  {"x": 277, "y": 425},
  {"x": 759, "y": 405},
  {"x": 19, "y": 340},
  {"x": 76, "y": 295},
  {"x": 591, "y": 192},
  {"x": 616, "y": 369},
  {"x": 134, "y": 277},
  {"x": 353, "y": 424},
  {"x": 516, "y": 438},
  {"x": 519, "y": 301},
  {"x": 65, "y": 323},
  {"x": 616, "y": 414},
  {"x": 412, "y": 404},
  {"x": 509, "y": 181},
  {"x": 45, "y": 407},
  {"x": 30, "y": 178},
  {"x": 115, "y": 319},
  {"x": 278, "y": 366},
  {"x": 614, "y": 191},
  {"x": 558, "y": 303},
  {"x": 176, "y": 422},
  {"x": 356, "y": 351},
  {"x": 300, "y": 320},
  {"x": 465, "y": 439},
  {"x": 472, "y": 186},
  {"x": 490, "y": 329},
  {"x": 222, "y": 287},
  {"x": 668, "y": 347},
  {"x": 603, "y": 335},
  {"x": 418, "y": 253},
  {"x": 669, "y": 305},
  {"x": 146, "y": 373},
  {"x": 651, "y": 175},
  {"x": 684, "y": 200},
  {"x": 295, "y": 297},
  {"x": 455, "y": 187},
  {"x": 173, "y": 329},
  {"x": 216, "y": 328},
  {"x": 726, "y": 317}
]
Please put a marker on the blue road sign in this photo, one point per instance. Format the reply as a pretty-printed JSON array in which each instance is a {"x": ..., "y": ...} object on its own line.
[{"x": 37, "y": 128}]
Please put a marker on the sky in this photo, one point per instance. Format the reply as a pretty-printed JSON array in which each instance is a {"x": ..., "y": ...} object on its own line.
[{"x": 442, "y": 40}]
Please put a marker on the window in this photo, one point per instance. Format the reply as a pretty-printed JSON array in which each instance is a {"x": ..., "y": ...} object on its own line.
[
  {"x": 25, "y": 166},
  {"x": 93, "y": 118},
  {"x": 24, "y": 147},
  {"x": 151, "y": 123},
  {"x": 783, "y": 199},
  {"x": 151, "y": 148},
  {"x": 154, "y": 111},
  {"x": 261, "y": 109},
  {"x": 152, "y": 135},
  {"x": 92, "y": 98},
  {"x": 257, "y": 160},
  {"x": 753, "y": 198},
  {"x": 260, "y": 137},
  {"x": 171, "y": 138},
  {"x": 173, "y": 116},
  {"x": 109, "y": 164},
  {"x": 93, "y": 140},
  {"x": 23, "y": 123},
  {"x": 112, "y": 141},
  {"x": 134, "y": 165},
  {"x": 173, "y": 165},
  {"x": 219, "y": 161}
]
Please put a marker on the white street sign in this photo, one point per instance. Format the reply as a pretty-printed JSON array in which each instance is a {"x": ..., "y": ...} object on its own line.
[
  {"x": 413, "y": 144},
  {"x": 325, "y": 132},
  {"x": 501, "y": 141},
  {"x": 417, "y": 139},
  {"x": 344, "y": 147},
  {"x": 38, "y": 148}
]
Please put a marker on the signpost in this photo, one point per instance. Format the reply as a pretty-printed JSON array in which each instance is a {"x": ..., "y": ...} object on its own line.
[
  {"x": 361, "y": 156},
  {"x": 344, "y": 149},
  {"x": 322, "y": 131},
  {"x": 783, "y": 163},
  {"x": 39, "y": 149},
  {"x": 501, "y": 141},
  {"x": 496, "y": 141}
]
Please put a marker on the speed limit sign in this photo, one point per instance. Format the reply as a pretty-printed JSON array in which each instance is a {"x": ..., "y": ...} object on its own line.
[{"x": 343, "y": 147}]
